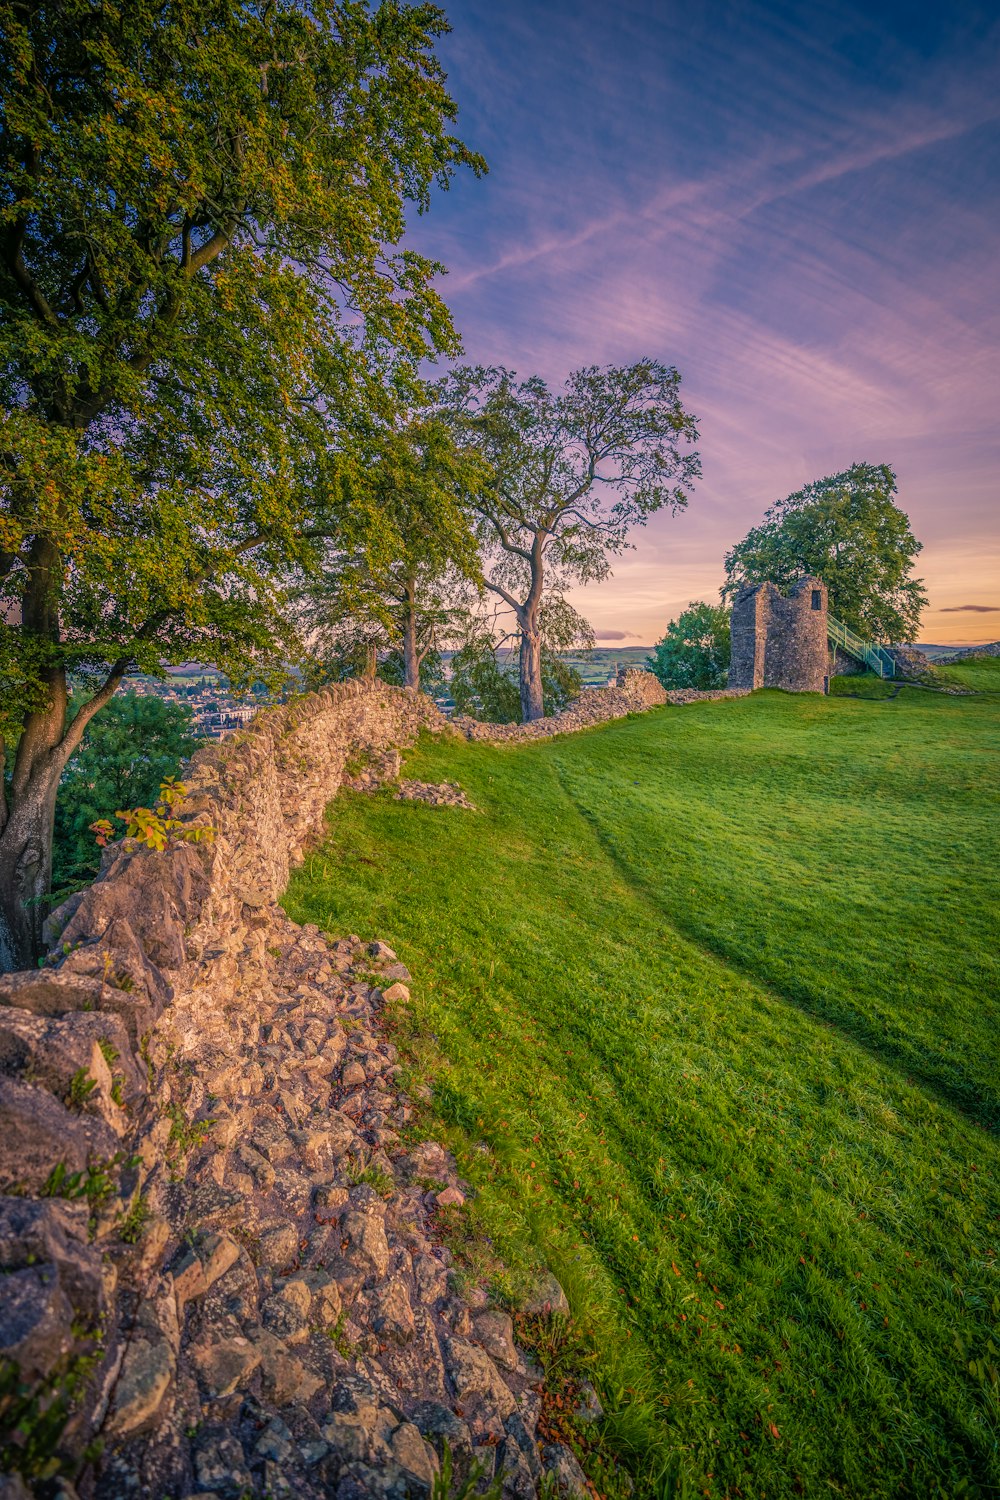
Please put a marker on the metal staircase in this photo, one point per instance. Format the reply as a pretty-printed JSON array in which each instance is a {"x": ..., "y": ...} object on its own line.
[{"x": 875, "y": 657}]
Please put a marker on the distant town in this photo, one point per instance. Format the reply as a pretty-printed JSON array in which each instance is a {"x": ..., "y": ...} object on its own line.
[{"x": 215, "y": 710}]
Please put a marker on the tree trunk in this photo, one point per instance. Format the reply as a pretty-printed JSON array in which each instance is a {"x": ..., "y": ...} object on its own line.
[
  {"x": 26, "y": 869},
  {"x": 411, "y": 659},
  {"x": 530, "y": 672},
  {"x": 530, "y": 665},
  {"x": 26, "y": 832},
  {"x": 28, "y": 814}
]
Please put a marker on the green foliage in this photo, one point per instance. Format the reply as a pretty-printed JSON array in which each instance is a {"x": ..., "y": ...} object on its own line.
[
  {"x": 207, "y": 326},
  {"x": 80, "y": 1089},
  {"x": 447, "y": 1487},
  {"x": 156, "y": 827},
  {"x": 484, "y": 682},
  {"x": 694, "y": 652},
  {"x": 132, "y": 1225},
  {"x": 133, "y": 746},
  {"x": 193, "y": 195},
  {"x": 373, "y": 1177},
  {"x": 724, "y": 1047},
  {"x": 33, "y": 1416},
  {"x": 389, "y": 596},
  {"x": 848, "y": 531},
  {"x": 95, "y": 1183},
  {"x": 565, "y": 477},
  {"x": 483, "y": 687},
  {"x": 185, "y": 1136}
]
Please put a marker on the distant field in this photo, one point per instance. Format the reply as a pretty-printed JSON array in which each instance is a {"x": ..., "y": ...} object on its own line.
[{"x": 719, "y": 989}]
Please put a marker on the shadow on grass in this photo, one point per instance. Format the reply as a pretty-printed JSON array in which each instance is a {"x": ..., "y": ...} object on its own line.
[{"x": 976, "y": 1104}]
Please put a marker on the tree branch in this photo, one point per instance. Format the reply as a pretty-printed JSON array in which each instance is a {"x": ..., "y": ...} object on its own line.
[
  {"x": 75, "y": 730},
  {"x": 505, "y": 541},
  {"x": 508, "y": 599}
]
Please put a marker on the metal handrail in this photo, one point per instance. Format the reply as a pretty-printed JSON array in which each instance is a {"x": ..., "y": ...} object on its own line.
[{"x": 876, "y": 657}]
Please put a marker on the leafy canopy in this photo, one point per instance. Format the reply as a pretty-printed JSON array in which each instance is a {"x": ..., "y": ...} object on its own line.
[
  {"x": 205, "y": 316},
  {"x": 572, "y": 471},
  {"x": 694, "y": 652},
  {"x": 848, "y": 531},
  {"x": 568, "y": 474},
  {"x": 403, "y": 555}
]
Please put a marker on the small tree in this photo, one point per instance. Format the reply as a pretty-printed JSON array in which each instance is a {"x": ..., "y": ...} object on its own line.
[
  {"x": 393, "y": 590},
  {"x": 133, "y": 746},
  {"x": 848, "y": 531},
  {"x": 570, "y": 474},
  {"x": 694, "y": 652},
  {"x": 201, "y": 301}
]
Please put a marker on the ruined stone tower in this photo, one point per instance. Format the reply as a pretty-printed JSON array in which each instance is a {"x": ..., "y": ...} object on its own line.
[{"x": 780, "y": 641}]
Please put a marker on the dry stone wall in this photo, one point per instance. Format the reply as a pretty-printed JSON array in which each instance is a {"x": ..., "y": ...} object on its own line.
[{"x": 211, "y": 1226}]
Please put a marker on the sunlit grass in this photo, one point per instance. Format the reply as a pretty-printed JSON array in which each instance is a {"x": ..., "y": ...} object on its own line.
[{"x": 717, "y": 986}]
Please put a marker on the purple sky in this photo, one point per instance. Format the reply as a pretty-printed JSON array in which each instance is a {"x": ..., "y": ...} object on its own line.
[{"x": 798, "y": 205}]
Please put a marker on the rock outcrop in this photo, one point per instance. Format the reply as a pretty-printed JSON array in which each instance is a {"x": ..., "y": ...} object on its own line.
[{"x": 967, "y": 652}]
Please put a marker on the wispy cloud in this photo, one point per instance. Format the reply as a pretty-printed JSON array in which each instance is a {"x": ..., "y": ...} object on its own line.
[
  {"x": 972, "y": 609},
  {"x": 798, "y": 205}
]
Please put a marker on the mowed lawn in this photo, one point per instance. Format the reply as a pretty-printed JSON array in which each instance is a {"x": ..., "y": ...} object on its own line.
[{"x": 717, "y": 987}]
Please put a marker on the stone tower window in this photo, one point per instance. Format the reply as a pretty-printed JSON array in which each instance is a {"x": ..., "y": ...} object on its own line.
[{"x": 817, "y": 599}]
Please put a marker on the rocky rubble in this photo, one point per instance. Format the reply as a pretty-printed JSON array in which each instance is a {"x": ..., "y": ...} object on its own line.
[
  {"x": 435, "y": 794},
  {"x": 211, "y": 1222},
  {"x": 992, "y": 649},
  {"x": 299, "y": 1332}
]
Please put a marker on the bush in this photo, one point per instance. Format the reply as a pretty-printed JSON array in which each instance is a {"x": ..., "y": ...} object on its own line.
[
  {"x": 132, "y": 747},
  {"x": 694, "y": 652},
  {"x": 485, "y": 686}
]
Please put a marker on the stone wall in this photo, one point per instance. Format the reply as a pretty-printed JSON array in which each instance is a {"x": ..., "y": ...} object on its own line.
[
  {"x": 780, "y": 641},
  {"x": 634, "y": 692},
  {"x": 207, "y": 1214}
]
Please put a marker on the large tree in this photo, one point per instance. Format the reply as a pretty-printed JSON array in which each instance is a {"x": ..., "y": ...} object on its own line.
[
  {"x": 848, "y": 531},
  {"x": 484, "y": 679},
  {"x": 571, "y": 472},
  {"x": 200, "y": 290}
]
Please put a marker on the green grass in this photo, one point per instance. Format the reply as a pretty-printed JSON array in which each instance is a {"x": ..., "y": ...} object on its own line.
[{"x": 717, "y": 986}]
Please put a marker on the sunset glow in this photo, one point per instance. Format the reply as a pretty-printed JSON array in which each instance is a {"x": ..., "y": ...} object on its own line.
[{"x": 797, "y": 206}]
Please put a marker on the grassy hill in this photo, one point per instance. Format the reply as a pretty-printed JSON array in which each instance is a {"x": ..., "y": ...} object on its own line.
[{"x": 709, "y": 998}]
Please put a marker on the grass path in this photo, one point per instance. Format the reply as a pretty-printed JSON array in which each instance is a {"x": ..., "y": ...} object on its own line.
[{"x": 656, "y": 973}]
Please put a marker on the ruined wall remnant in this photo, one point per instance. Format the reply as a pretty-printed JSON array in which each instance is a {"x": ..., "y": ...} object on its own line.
[{"x": 780, "y": 641}]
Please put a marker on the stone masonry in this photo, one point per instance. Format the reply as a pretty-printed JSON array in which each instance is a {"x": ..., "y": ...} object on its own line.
[
  {"x": 780, "y": 641},
  {"x": 212, "y": 1229}
]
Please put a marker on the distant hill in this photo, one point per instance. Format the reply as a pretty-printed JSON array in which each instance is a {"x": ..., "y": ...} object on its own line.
[{"x": 935, "y": 653}]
